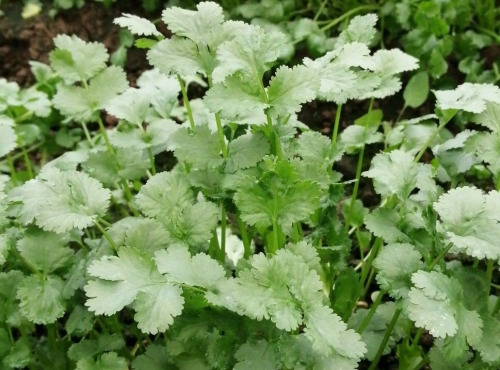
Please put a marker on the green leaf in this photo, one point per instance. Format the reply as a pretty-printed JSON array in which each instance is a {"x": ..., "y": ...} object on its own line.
[
  {"x": 360, "y": 29},
  {"x": 393, "y": 173},
  {"x": 176, "y": 56},
  {"x": 107, "y": 361},
  {"x": 8, "y": 137},
  {"x": 201, "y": 148},
  {"x": 237, "y": 101},
  {"x": 20, "y": 355},
  {"x": 250, "y": 54},
  {"x": 290, "y": 88},
  {"x": 197, "y": 25},
  {"x": 468, "y": 97},
  {"x": 40, "y": 298},
  {"x": 137, "y": 25},
  {"x": 155, "y": 358},
  {"x": 417, "y": 89},
  {"x": 395, "y": 264},
  {"x": 46, "y": 251},
  {"x": 278, "y": 195},
  {"x": 384, "y": 222},
  {"x": 355, "y": 137},
  {"x": 180, "y": 267},
  {"x": 490, "y": 117},
  {"x": 435, "y": 303},
  {"x": 260, "y": 355},
  {"x": 61, "y": 201},
  {"x": 81, "y": 104},
  {"x": 470, "y": 220},
  {"x": 132, "y": 278},
  {"x": 246, "y": 151},
  {"x": 76, "y": 60},
  {"x": 80, "y": 322},
  {"x": 9, "y": 308}
]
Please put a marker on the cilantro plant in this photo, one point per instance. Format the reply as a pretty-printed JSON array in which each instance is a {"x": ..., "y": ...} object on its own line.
[{"x": 209, "y": 228}]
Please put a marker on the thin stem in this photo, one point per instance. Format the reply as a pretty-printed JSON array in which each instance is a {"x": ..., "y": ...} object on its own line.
[
  {"x": 346, "y": 15},
  {"x": 320, "y": 10},
  {"x": 152, "y": 161},
  {"x": 373, "y": 253},
  {"x": 244, "y": 236},
  {"x": 431, "y": 138},
  {"x": 27, "y": 161},
  {"x": 275, "y": 242},
  {"x": 222, "y": 246},
  {"x": 440, "y": 256},
  {"x": 12, "y": 168},
  {"x": 372, "y": 311},
  {"x": 186, "y": 102},
  {"x": 387, "y": 335},
  {"x": 105, "y": 136},
  {"x": 106, "y": 235},
  {"x": 336, "y": 126},
  {"x": 87, "y": 134},
  {"x": 20, "y": 257},
  {"x": 220, "y": 131},
  {"x": 416, "y": 338}
]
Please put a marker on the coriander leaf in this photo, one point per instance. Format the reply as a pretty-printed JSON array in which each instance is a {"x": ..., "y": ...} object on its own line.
[
  {"x": 360, "y": 29},
  {"x": 395, "y": 264},
  {"x": 9, "y": 308},
  {"x": 490, "y": 117},
  {"x": 435, "y": 303},
  {"x": 196, "y": 25},
  {"x": 246, "y": 151},
  {"x": 237, "y": 101},
  {"x": 176, "y": 56},
  {"x": 60, "y": 201},
  {"x": 260, "y": 355},
  {"x": 76, "y": 60},
  {"x": 8, "y": 137},
  {"x": 155, "y": 358},
  {"x": 137, "y": 25},
  {"x": 391, "y": 62},
  {"x": 355, "y": 137},
  {"x": 194, "y": 223},
  {"x": 471, "y": 221},
  {"x": 180, "y": 267},
  {"x": 290, "y": 88},
  {"x": 278, "y": 195},
  {"x": 106, "y": 361},
  {"x": 40, "y": 298},
  {"x": 132, "y": 277},
  {"x": 250, "y": 54},
  {"x": 417, "y": 89},
  {"x": 393, "y": 173},
  {"x": 163, "y": 194},
  {"x": 313, "y": 146},
  {"x": 469, "y": 97},
  {"x": 35, "y": 101},
  {"x": 383, "y": 222},
  {"x": 307, "y": 253},
  {"x": 201, "y": 148},
  {"x": 45, "y": 250},
  {"x": 132, "y": 106}
]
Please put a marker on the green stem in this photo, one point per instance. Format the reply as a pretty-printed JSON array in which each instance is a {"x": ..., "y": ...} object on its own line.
[
  {"x": 244, "y": 236},
  {"x": 152, "y": 161},
  {"x": 106, "y": 235},
  {"x": 431, "y": 138},
  {"x": 372, "y": 311},
  {"x": 387, "y": 335},
  {"x": 222, "y": 246},
  {"x": 12, "y": 168},
  {"x": 336, "y": 126},
  {"x": 320, "y": 10},
  {"x": 275, "y": 244},
  {"x": 416, "y": 338},
  {"x": 20, "y": 257},
  {"x": 346, "y": 15},
  {"x": 367, "y": 266},
  {"x": 220, "y": 131},
  {"x": 87, "y": 134},
  {"x": 440, "y": 256},
  {"x": 104, "y": 134},
  {"x": 186, "y": 102},
  {"x": 274, "y": 138},
  {"x": 27, "y": 161},
  {"x": 295, "y": 233}
]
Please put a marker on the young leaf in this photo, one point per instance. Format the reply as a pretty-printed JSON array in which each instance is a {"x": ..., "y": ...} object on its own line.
[
  {"x": 76, "y": 60},
  {"x": 435, "y": 303},
  {"x": 41, "y": 299},
  {"x": 246, "y": 151},
  {"x": 8, "y": 137},
  {"x": 132, "y": 277},
  {"x": 61, "y": 201},
  {"x": 383, "y": 222},
  {"x": 354, "y": 137},
  {"x": 360, "y": 29},
  {"x": 395, "y": 264},
  {"x": 471, "y": 221},
  {"x": 260, "y": 355},
  {"x": 468, "y": 97},
  {"x": 417, "y": 89},
  {"x": 137, "y": 25}
]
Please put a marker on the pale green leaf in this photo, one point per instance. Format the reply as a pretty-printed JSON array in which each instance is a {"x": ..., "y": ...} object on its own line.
[
  {"x": 8, "y": 137},
  {"x": 417, "y": 89},
  {"x": 261, "y": 355},
  {"x": 137, "y": 25},
  {"x": 471, "y": 220},
  {"x": 469, "y": 97},
  {"x": 40, "y": 298},
  {"x": 246, "y": 151},
  {"x": 76, "y": 60},
  {"x": 383, "y": 222},
  {"x": 360, "y": 29},
  {"x": 355, "y": 137}
]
